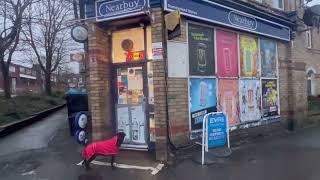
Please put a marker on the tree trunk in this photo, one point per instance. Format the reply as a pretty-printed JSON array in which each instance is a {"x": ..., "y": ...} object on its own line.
[
  {"x": 7, "y": 84},
  {"x": 6, "y": 78},
  {"x": 48, "y": 83}
]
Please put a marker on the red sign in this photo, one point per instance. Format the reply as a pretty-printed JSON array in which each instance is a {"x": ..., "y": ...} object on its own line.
[{"x": 135, "y": 56}]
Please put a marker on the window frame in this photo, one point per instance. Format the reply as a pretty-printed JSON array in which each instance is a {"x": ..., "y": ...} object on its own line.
[
  {"x": 282, "y": 4},
  {"x": 308, "y": 39}
]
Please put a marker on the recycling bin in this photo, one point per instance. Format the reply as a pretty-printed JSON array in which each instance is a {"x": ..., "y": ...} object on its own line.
[{"x": 77, "y": 104}]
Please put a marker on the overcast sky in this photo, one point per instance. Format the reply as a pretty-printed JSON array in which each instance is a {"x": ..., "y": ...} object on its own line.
[{"x": 314, "y": 2}]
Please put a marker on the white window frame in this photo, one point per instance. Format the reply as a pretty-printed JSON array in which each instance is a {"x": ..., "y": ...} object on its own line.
[
  {"x": 308, "y": 39},
  {"x": 273, "y": 4}
]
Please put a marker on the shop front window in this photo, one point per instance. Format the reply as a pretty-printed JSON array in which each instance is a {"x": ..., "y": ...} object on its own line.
[{"x": 128, "y": 45}]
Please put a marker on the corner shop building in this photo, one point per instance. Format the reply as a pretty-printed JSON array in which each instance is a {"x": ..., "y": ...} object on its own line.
[{"x": 224, "y": 57}]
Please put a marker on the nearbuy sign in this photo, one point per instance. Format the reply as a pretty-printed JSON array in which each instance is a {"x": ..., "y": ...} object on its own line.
[{"x": 107, "y": 10}]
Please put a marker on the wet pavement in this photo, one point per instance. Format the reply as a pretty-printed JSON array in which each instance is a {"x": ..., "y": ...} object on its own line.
[
  {"x": 34, "y": 136},
  {"x": 54, "y": 155}
]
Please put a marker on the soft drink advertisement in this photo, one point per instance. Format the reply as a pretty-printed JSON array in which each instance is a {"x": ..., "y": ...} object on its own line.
[
  {"x": 269, "y": 97},
  {"x": 202, "y": 100},
  {"x": 250, "y": 65},
  {"x": 201, "y": 51},
  {"x": 250, "y": 100},
  {"x": 229, "y": 99},
  {"x": 227, "y": 54},
  {"x": 268, "y": 54}
]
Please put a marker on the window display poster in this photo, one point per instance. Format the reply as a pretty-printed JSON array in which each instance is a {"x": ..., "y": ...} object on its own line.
[
  {"x": 229, "y": 99},
  {"x": 250, "y": 100},
  {"x": 130, "y": 85},
  {"x": 123, "y": 122},
  {"x": 202, "y": 100},
  {"x": 201, "y": 51},
  {"x": 269, "y": 97},
  {"x": 227, "y": 54},
  {"x": 138, "y": 124},
  {"x": 268, "y": 54},
  {"x": 126, "y": 44},
  {"x": 250, "y": 65}
]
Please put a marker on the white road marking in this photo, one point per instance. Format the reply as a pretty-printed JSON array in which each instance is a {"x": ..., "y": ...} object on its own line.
[
  {"x": 28, "y": 173},
  {"x": 153, "y": 170}
]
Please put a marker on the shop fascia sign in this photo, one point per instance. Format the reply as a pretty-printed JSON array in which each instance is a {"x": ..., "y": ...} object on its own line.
[
  {"x": 227, "y": 16},
  {"x": 108, "y": 10}
]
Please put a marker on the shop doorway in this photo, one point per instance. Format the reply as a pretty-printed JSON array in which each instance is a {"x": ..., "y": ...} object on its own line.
[{"x": 131, "y": 105}]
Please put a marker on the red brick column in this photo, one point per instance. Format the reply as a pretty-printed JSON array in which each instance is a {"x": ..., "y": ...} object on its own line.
[{"x": 99, "y": 83}]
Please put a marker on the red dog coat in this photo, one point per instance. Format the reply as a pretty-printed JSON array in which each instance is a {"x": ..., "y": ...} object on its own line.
[{"x": 108, "y": 147}]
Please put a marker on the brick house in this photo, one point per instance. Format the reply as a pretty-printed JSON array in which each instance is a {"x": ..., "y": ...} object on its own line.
[
  {"x": 237, "y": 57},
  {"x": 30, "y": 80},
  {"x": 24, "y": 80}
]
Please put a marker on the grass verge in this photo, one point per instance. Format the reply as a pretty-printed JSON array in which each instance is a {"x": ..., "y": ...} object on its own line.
[{"x": 21, "y": 107}]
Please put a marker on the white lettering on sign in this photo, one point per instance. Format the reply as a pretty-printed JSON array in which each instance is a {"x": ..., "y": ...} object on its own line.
[
  {"x": 216, "y": 120},
  {"x": 241, "y": 20},
  {"x": 119, "y": 7}
]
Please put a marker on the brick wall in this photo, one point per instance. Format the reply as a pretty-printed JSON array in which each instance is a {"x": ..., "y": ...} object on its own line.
[
  {"x": 99, "y": 86},
  {"x": 178, "y": 101},
  {"x": 159, "y": 83}
]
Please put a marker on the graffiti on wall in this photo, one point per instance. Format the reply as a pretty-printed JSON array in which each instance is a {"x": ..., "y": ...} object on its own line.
[
  {"x": 229, "y": 99},
  {"x": 249, "y": 60},
  {"x": 250, "y": 100}
]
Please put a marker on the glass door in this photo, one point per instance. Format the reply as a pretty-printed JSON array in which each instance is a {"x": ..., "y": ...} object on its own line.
[{"x": 131, "y": 106}]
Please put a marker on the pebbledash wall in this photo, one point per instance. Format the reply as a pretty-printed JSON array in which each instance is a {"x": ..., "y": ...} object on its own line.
[{"x": 256, "y": 93}]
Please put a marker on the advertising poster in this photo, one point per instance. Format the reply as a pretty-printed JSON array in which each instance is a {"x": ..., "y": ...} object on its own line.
[
  {"x": 269, "y": 97},
  {"x": 201, "y": 51},
  {"x": 268, "y": 54},
  {"x": 250, "y": 65},
  {"x": 227, "y": 54},
  {"x": 130, "y": 85},
  {"x": 202, "y": 100},
  {"x": 250, "y": 100},
  {"x": 229, "y": 99}
]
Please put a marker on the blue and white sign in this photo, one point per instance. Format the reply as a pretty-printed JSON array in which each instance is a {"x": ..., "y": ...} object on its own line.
[
  {"x": 107, "y": 10},
  {"x": 217, "y": 130},
  {"x": 226, "y": 16}
]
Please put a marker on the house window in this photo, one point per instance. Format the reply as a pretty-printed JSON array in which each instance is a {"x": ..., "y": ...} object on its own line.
[
  {"x": 22, "y": 70},
  {"x": 12, "y": 69},
  {"x": 277, "y": 4},
  {"x": 308, "y": 39}
]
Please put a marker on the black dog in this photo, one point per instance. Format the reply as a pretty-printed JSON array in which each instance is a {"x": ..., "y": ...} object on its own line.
[{"x": 109, "y": 147}]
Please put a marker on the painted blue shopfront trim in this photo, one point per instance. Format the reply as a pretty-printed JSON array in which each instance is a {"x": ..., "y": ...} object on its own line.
[{"x": 216, "y": 13}]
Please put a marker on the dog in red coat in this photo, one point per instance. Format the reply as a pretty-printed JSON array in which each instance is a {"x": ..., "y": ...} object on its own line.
[{"x": 108, "y": 147}]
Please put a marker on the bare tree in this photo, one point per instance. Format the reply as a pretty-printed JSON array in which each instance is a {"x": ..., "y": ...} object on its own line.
[
  {"x": 47, "y": 33},
  {"x": 11, "y": 12}
]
